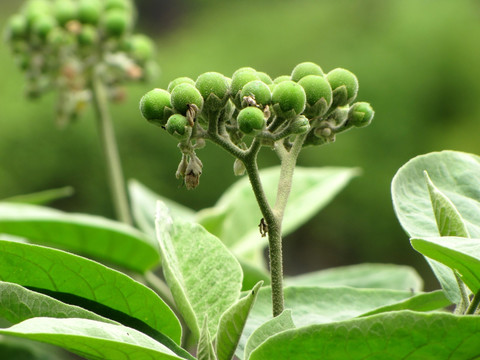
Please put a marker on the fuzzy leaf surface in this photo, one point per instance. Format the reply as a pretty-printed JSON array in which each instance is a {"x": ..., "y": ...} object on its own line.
[
  {"x": 88, "y": 235},
  {"x": 92, "y": 339},
  {"x": 204, "y": 277},
  {"x": 66, "y": 275},
  {"x": 205, "y": 350},
  {"x": 403, "y": 335},
  {"x": 42, "y": 197}
]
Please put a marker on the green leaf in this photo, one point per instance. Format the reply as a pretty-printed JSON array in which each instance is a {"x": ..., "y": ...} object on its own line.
[
  {"x": 316, "y": 305},
  {"x": 18, "y": 304},
  {"x": 455, "y": 174},
  {"x": 232, "y": 323},
  {"x": 144, "y": 202},
  {"x": 457, "y": 253},
  {"x": 92, "y": 236},
  {"x": 396, "y": 335},
  {"x": 430, "y": 301},
  {"x": 236, "y": 216},
  {"x": 19, "y": 349},
  {"x": 382, "y": 276},
  {"x": 78, "y": 279},
  {"x": 205, "y": 349},
  {"x": 42, "y": 197},
  {"x": 448, "y": 219},
  {"x": 204, "y": 277},
  {"x": 276, "y": 325},
  {"x": 92, "y": 339}
]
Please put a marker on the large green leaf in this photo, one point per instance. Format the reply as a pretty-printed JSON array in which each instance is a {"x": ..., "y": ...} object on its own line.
[
  {"x": 318, "y": 305},
  {"x": 41, "y": 197},
  {"x": 204, "y": 277},
  {"x": 382, "y": 276},
  {"x": 86, "y": 283},
  {"x": 278, "y": 324},
  {"x": 144, "y": 202},
  {"x": 88, "y": 235},
  {"x": 232, "y": 323},
  {"x": 19, "y": 349},
  {"x": 18, "y": 304},
  {"x": 455, "y": 174},
  {"x": 396, "y": 335},
  {"x": 457, "y": 253},
  {"x": 92, "y": 339},
  {"x": 236, "y": 216}
]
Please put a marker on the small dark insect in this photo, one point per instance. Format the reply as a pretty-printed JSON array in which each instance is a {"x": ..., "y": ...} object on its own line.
[{"x": 263, "y": 227}]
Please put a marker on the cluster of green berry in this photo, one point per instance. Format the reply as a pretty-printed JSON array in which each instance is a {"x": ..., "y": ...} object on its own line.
[
  {"x": 64, "y": 43},
  {"x": 307, "y": 103}
]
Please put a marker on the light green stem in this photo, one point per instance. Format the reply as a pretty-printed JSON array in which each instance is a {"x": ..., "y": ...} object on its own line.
[
  {"x": 107, "y": 137},
  {"x": 472, "y": 309}
]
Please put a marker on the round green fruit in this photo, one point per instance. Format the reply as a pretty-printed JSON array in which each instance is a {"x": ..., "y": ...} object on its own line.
[
  {"x": 259, "y": 91},
  {"x": 42, "y": 26},
  {"x": 344, "y": 86},
  {"x": 89, "y": 11},
  {"x": 319, "y": 94},
  {"x": 360, "y": 114},
  {"x": 141, "y": 47},
  {"x": 65, "y": 11},
  {"x": 212, "y": 83},
  {"x": 184, "y": 95},
  {"x": 304, "y": 69},
  {"x": 281, "y": 78},
  {"x": 17, "y": 28},
  {"x": 176, "y": 124},
  {"x": 117, "y": 4},
  {"x": 88, "y": 35},
  {"x": 288, "y": 99},
  {"x": 241, "y": 77},
  {"x": 155, "y": 106},
  {"x": 265, "y": 77},
  {"x": 116, "y": 22},
  {"x": 178, "y": 81},
  {"x": 250, "y": 119}
]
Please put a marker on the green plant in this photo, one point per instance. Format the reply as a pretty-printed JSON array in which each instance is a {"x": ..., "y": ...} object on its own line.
[{"x": 86, "y": 51}]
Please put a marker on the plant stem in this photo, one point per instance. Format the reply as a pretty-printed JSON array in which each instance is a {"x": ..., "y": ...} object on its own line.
[
  {"x": 109, "y": 144},
  {"x": 474, "y": 304}
]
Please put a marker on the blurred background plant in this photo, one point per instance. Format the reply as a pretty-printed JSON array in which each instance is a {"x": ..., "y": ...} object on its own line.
[{"x": 417, "y": 65}]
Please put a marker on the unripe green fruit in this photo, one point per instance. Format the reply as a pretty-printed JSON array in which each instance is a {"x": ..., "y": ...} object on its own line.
[
  {"x": 176, "y": 124},
  {"x": 89, "y": 11},
  {"x": 88, "y": 35},
  {"x": 36, "y": 9},
  {"x": 265, "y": 77},
  {"x": 239, "y": 79},
  {"x": 360, "y": 114},
  {"x": 344, "y": 86},
  {"x": 304, "y": 69},
  {"x": 65, "y": 11},
  {"x": 141, "y": 47},
  {"x": 319, "y": 94},
  {"x": 281, "y": 78},
  {"x": 43, "y": 25},
  {"x": 250, "y": 119},
  {"x": 116, "y": 22},
  {"x": 17, "y": 28},
  {"x": 214, "y": 88},
  {"x": 178, "y": 81},
  {"x": 288, "y": 99},
  {"x": 117, "y": 4},
  {"x": 259, "y": 91},
  {"x": 184, "y": 95},
  {"x": 156, "y": 106}
]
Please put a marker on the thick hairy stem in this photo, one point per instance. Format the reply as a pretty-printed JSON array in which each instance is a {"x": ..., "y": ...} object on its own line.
[
  {"x": 222, "y": 140},
  {"x": 472, "y": 309},
  {"x": 109, "y": 144}
]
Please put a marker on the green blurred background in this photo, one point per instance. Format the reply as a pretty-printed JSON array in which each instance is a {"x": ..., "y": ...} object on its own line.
[{"x": 417, "y": 62}]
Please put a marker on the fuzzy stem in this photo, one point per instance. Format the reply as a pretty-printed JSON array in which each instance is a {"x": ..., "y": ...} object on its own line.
[
  {"x": 109, "y": 144},
  {"x": 474, "y": 304}
]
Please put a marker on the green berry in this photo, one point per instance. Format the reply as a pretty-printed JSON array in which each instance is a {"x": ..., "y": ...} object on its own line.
[
  {"x": 117, "y": 4},
  {"x": 259, "y": 91},
  {"x": 250, "y": 119},
  {"x": 176, "y": 124},
  {"x": 88, "y": 35},
  {"x": 265, "y": 77},
  {"x": 65, "y": 11},
  {"x": 89, "y": 11},
  {"x": 141, "y": 47},
  {"x": 36, "y": 9},
  {"x": 239, "y": 79},
  {"x": 288, "y": 99},
  {"x": 304, "y": 69},
  {"x": 319, "y": 94},
  {"x": 178, "y": 81},
  {"x": 42, "y": 26},
  {"x": 184, "y": 95},
  {"x": 116, "y": 22},
  {"x": 360, "y": 114},
  {"x": 214, "y": 88},
  {"x": 281, "y": 78},
  {"x": 344, "y": 86},
  {"x": 17, "y": 28},
  {"x": 156, "y": 106}
]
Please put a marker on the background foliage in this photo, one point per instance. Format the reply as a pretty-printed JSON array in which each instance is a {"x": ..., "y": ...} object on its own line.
[{"x": 417, "y": 63}]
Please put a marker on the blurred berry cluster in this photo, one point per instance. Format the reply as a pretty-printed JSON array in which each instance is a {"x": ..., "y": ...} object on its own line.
[
  {"x": 64, "y": 44},
  {"x": 229, "y": 111}
]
